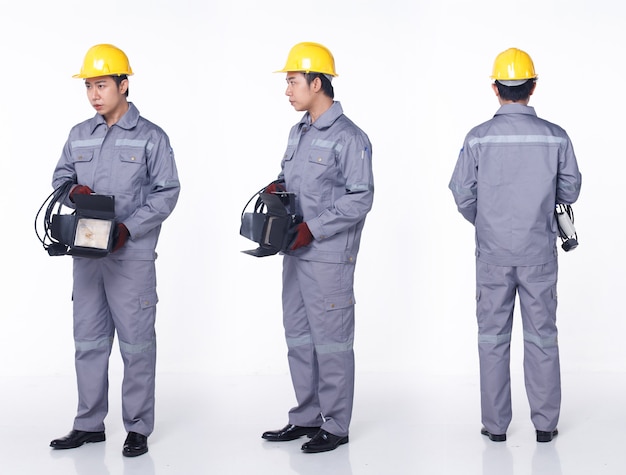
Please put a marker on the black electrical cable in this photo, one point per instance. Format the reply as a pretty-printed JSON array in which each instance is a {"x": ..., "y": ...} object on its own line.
[{"x": 55, "y": 198}]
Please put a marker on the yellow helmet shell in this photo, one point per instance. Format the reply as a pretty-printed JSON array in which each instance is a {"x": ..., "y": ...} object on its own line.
[
  {"x": 310, "y": 57},
  {"x": 513, "y": 65},
  {"x": 104, "y": 60}
]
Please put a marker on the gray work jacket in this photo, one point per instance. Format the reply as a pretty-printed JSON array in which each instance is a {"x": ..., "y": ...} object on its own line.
[
  {"x": 133, "y": 161},
  {"x": 328, "y": 165},
  {"x": 509, "y": 175}
]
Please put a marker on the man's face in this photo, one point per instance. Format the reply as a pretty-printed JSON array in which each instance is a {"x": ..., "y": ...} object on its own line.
[
  {"x": 300, "y": 93},
  {"x": 105, "y": 96}
]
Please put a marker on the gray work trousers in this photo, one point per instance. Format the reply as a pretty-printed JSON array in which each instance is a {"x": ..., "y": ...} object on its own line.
[
  {"x": 496, "y": 287},
  {"x": 112, "y": 296},
  {"x": 318, "y": 316}
]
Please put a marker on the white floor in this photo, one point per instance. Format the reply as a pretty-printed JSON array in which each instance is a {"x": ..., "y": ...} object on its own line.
[{"x": 402, "y": 424}]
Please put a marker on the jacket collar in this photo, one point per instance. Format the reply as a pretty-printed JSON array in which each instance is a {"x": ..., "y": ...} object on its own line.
[
  {"x": 326, "y": 119},
  {"x": 516, "y": 109},
  {"x": 128, "y": 121}
]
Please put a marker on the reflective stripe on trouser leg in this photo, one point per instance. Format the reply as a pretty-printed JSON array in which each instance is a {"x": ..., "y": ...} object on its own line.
[
  {"x": 495, "y": 301},
  {"x": 318, "y": 314},
  {"x": 538, "y": 303}
]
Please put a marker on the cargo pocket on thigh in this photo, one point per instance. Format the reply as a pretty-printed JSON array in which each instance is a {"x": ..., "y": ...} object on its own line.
[
  {"x": 148, "y": 300},
  {"x": 339, "y": 321},
  {"x": 144, "y": 326}
]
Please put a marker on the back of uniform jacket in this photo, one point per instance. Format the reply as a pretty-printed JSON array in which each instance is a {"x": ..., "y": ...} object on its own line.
[{"x": 510, "y": 174}]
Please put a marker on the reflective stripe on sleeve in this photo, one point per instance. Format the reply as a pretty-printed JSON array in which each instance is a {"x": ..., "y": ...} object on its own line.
[{"x": 359, "y": 187}]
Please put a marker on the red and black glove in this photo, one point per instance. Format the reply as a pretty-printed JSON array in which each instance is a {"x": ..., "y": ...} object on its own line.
[
  {"x": 121, "y": 236},
  {"x": 303, "y": 237},
  {"x": 274, "y": 187},
  {"x": 80, "y": 190}
]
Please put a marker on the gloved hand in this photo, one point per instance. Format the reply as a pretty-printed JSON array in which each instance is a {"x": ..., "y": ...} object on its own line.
[
  {"x": 80, "y": 190},
  {"x": 120, "y": 238},
  {"x": 274, "y": 187},
  {"x": 303, "y": 237}
]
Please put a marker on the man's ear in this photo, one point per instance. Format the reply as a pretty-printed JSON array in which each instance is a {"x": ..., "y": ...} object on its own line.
[
  {"x": 124, "y": 86},
  {"x": 495, "y": 89},
  {"x": 316, "y": 84}
]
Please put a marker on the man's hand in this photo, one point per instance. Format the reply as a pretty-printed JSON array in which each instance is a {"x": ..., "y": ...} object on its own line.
[
  {"x": 303, "y": 236},
  {"x": 80, "y": 190},
  {"x": 274, "y": 187},
  {"x": 121, "y": 236}
]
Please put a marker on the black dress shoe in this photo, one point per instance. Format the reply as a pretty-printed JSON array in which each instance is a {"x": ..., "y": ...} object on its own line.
[
  {"x": 323, "y": 441},
  {"x": 493, "y": 437},
  {"x": 289, "y": 432},
  {"x": 543, "y": 436},
  {"x": 135, "y": 444},
  {"x": 76, "y": 438}
]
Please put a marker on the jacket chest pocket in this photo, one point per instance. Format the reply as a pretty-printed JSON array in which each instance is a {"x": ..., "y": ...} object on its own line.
[
  {"x": 130, "y": 169},
  {"x": 82, "y": 156},
  {"x": 320, "y": 166},
  {"x": 83, "y": 161}
]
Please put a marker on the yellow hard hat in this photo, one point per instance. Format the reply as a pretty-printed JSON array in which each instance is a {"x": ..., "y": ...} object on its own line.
[
  {"x": 310, "y": 57},
  {"x": 104, "y": 60},
  {"x": 513, "y": 67}
]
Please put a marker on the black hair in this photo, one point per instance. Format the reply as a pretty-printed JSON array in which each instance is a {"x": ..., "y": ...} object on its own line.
[
  {"x": 327, "y": 87},
  {"x": 516, "y": 93},
  {"x": 118, "y": 80}
]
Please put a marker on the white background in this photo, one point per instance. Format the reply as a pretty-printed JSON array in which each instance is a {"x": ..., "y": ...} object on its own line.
[{"x": 414, "y": 75}]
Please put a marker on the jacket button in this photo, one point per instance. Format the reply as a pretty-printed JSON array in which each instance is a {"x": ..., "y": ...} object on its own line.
[
  {"x": 133, "y": 159},
  {"x": 319, "y": 159}
]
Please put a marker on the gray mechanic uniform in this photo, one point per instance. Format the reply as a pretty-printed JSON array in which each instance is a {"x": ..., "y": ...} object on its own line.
[
  {"x": 511, "y": 172},
  {"x": 328, "y": 165},
  {"x": 133, "y": 161}
]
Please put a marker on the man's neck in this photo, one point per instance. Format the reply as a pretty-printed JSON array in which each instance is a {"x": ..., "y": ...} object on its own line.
[
  {"x": 114, "y": 117},
  {"x": 523, "y": 103},
  {"x": 320, "y": 107}
]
